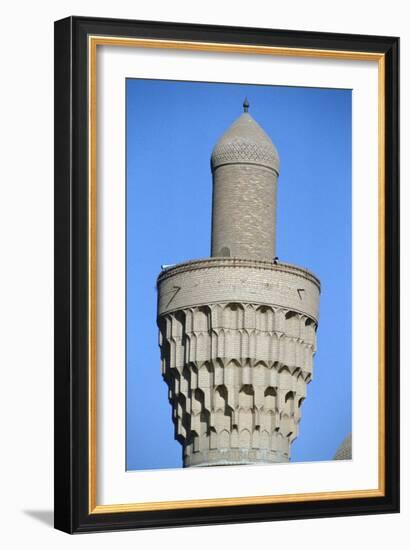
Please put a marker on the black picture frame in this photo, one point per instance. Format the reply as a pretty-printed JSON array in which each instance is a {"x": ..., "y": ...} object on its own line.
[{"x": 72, "y": 466}]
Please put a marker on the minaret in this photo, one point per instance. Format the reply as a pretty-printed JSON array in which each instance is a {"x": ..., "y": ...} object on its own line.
[{"x": 237, "y": 331}]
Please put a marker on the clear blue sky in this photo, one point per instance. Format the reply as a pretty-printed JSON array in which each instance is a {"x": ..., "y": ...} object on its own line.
[{"x": 171, "y": 130}]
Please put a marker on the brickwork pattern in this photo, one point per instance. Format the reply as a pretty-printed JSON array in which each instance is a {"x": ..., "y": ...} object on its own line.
[
  {"x": 236, "y": 356},
  {"x": 344, "y": 452},
  {"x": 245, "y": 142},
  {"x": 244, "y": 151},
  {"x": 237, "y": 376},
  {"x": 217, "y": 280},
  {"x": 244, "y": 212}
]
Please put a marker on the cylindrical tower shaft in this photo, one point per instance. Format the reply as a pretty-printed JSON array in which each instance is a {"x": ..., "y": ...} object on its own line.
[
  {"x": 244, "y": 212},
  {"x": 245, "y": 168}
]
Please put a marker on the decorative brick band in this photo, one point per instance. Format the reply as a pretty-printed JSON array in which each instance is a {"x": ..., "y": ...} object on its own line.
[
  {"x": 221, "y": 280},
  {"x": 245, "y": 152},
  {"x": 283, "y": 267}
]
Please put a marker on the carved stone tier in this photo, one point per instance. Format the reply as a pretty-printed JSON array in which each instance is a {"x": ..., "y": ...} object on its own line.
[{"x": 237, "y": 341}]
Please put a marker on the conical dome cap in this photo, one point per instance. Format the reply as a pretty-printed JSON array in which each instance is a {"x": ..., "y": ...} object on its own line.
[{"x": 245, "y": 142}]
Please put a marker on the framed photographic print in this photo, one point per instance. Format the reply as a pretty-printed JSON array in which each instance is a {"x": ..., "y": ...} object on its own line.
[{"x": 226, "y": 274}]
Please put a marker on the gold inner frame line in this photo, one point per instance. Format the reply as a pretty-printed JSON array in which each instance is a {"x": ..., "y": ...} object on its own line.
[{"x": 93, "y": 42}]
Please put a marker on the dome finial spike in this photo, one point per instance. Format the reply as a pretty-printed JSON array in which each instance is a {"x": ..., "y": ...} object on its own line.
[{"x": 245, "y": 105}]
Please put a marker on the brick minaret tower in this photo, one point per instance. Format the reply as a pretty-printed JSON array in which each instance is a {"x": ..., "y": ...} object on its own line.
[{"x": 238, "y": 329}]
